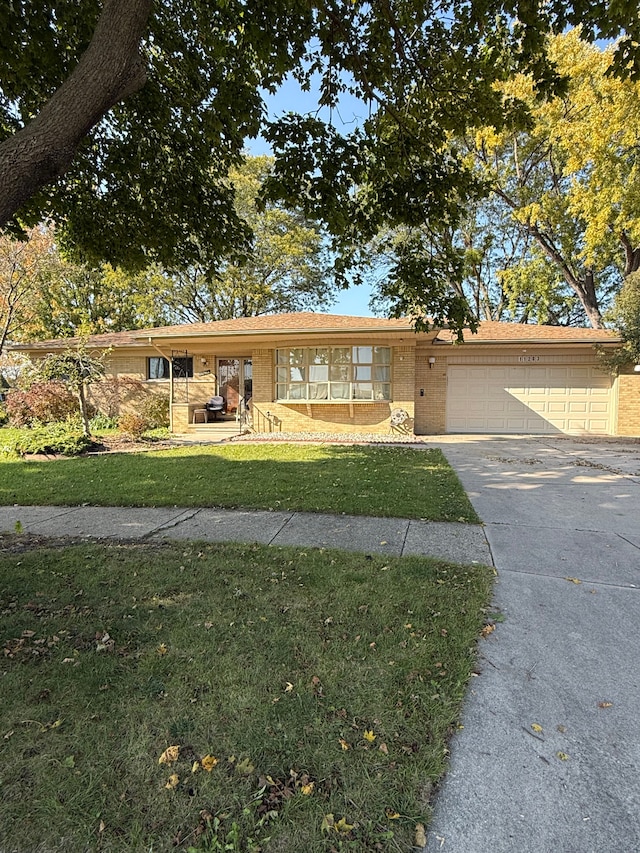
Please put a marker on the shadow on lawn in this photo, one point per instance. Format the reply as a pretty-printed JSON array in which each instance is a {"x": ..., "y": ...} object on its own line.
[{"x": 399, "y": 482}]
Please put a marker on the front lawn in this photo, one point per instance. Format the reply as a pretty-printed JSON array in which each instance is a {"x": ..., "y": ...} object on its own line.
[
  {"x": 226, "y": 697},
  {"x": 383, "y": 481}
]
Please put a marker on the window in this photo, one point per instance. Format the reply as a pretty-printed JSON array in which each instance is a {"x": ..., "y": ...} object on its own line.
[
  {"x": 158, "y": 367},
  {"x": 333, "y": 373}
]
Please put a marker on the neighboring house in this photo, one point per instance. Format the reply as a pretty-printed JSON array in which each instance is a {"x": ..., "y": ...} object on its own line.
[{"x": 330, "y": 373}]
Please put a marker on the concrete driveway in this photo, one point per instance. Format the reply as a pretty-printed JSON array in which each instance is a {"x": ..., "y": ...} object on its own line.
[{"x": 548, "y": 760}]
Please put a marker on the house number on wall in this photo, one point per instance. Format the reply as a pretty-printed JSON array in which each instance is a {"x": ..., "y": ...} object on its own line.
[{"x": 528, "y": 358}]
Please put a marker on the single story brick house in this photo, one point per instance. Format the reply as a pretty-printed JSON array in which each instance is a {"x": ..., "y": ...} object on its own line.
[{"x": 308, "y": 372}]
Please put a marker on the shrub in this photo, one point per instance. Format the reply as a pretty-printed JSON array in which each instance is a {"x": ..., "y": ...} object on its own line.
[
  {"x": 133, "y": 425},
  {"x": 156, "y": 410},
  {"x": 65, "y": 438},
  {"x": 44, "y": 402},
  {"x": 101, "y": 421},
  {"x": 4, "y": 416}
]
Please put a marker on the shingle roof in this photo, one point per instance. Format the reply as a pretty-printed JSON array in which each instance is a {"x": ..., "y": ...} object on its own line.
[
  {"x": 493, "y": 332},
  {"x": 307, "y": 321}
]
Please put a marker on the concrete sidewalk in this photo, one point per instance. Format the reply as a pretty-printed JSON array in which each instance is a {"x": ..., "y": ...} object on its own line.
[
  {"x": 562, "y": 517},
  {"x": 461, "y": 543}
]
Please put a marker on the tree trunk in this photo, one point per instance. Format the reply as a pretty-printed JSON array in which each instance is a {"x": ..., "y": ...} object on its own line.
[
  {"x": 110, "y": 69},
  {"x": 82, "y": 400}
]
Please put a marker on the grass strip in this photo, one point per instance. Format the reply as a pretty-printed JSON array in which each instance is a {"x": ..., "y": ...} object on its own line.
[
  {"x": 380, "y": 481},
  {"x": 244, "y": 698}
]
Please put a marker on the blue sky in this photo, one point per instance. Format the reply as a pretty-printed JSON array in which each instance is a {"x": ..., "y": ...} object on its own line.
[{"x": 290, "y": 98}]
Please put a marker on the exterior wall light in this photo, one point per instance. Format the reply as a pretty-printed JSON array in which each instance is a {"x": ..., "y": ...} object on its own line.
[
  {"x": 432, "y": 361},
  {"x": 637, "y": 368}
]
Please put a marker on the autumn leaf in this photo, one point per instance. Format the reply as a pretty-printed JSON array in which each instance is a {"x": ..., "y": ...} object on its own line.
[
  {"x": 174, "y": 779},
  {"x": 421, "y": 836},
  {"x": 208, "y": 763},
  {"x": 573, "y": 580},
  {"x": 195, "y": 767},
  {"x": 169, "y": 755},
  {"x": 162, "y": 649},
  {"x": 392, "y": 814},
  {"x": 488, "y": 629},
  {"x": 327, "y": 824},
  {"x": 605, "y": 704},
  {"x": 344, "y": 744},
  {"x": 536, "y": 727},
  {"x": 307, "y": 790},
  {"x": 343, "y": 826},
  {"x": 289, "y": 687},
  {"x": 369, "y": 736},
  {"x": 562, "y": 756},
  {"x": 384, "y": 748}
]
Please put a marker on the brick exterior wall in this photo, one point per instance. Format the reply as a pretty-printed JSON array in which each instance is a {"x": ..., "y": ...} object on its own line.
[
  {"x": 628, "y": 404},
  {"x": 430, "y": 391}
]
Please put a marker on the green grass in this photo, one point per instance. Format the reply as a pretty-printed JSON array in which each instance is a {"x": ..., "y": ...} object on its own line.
[
  {"x": 269, "y": 660},
  {"x": 379, "y": 481}
]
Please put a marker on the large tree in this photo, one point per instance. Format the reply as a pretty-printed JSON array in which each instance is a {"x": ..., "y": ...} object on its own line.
[
  {"x": 113, "y": 114},
  {"x": 567, "y": 184},
  {"x": 286, "y": 267}
]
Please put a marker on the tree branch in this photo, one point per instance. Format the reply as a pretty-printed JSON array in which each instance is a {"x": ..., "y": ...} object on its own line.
[{"x": 109, "y": 70}]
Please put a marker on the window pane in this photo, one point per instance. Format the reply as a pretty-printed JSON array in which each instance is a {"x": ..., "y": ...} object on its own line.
[
  {"x": 381, "y": 392},
  {"x": 339, "y": 390},
  {"x": 362, "y": 355},
  {"x": 362, "y": 373},
  {"x": 296, "y": 356},
  {"x": 282, "y": 374},
  {"x": 382, "y": 373},
  {"x": 158, "y": 368},
  {"x": 281, "y": 392},
  {"x": 318, "y": 390},
  {"x": 318, "y": 373},
  {"x": 362, "y": 391},
  {"x": 182, "y": 367},
  {"x": 340, "y": 372},
  {"x": 297, "y": 374},
  {"x": 282, "y": 356},
  {"x": 341, "y": 355},
  {"x": 382, "y": 355},
  {"x": 319, "y": 356},
  {"x": 297, "y": 392}
]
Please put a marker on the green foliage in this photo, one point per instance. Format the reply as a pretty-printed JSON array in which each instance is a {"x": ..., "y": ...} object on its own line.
[
  {"x": 149, "y": 181},
  {"x": 562, "y": 194},
  {"x": 63, "y": 437},
  {"x": 42, "y": 402},
  {"x": 155, "y": 410},
  {"x": 625, "y": 316},
  {"x": 77, "y": 368}
]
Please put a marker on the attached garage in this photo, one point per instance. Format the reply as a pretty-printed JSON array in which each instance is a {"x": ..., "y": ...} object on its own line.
[{"x": 574, "y": 399}]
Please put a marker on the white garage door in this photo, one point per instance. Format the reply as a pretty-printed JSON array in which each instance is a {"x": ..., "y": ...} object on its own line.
[{"x": 528, "y": 399}]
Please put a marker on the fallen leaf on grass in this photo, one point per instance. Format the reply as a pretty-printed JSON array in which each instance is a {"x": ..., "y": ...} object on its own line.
[
  {"x": 384, "y": 748},
  {"x": 162, "y": 649},
  {"x": 289, "y": 687},
  {"x": 421, "y": 836},
  {"x": 369, "y": 736},
  {"x": 392, "y": 814},
  {"x": 307, "y": 790},
  {"x": 344, "y": 744},
  {"x": 488, "y": 629},
  {"x": 208, "y": 763},
  {"x": 174, "y": 779},
  {"x": 169, "y": 755}
]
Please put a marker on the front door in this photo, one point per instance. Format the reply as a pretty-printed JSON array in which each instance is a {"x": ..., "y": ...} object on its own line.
[{"x": 235, "y": 382}]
